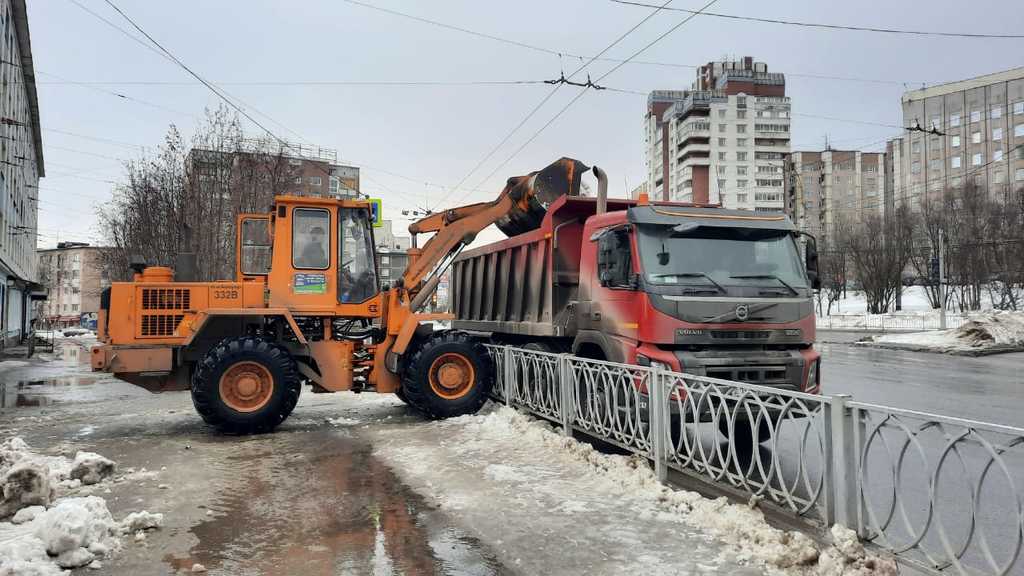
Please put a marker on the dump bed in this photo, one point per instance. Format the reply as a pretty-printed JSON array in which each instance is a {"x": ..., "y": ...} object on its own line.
[{"x": 523, "y": 285}]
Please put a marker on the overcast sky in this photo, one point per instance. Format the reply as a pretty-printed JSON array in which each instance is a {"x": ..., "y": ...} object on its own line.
[{"x": 434, "y": 135}]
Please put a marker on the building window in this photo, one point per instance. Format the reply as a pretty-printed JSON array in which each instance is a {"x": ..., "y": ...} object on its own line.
[
  {"x": 295, "y": 162},
  {"x": 723, "y": 169},
  {"x": 997, "y": 133},
  {"x": 722, "y": 142},
  {"x": 975, "y": 116},
  {"x": 1018, "y": 175},
  {"x": 741, "y": 142},
  {"x": 999, "y": 176},
  {"x": 741, "y": 128},
  {"x": 385, "y": 272},
  {"x": 385, "y": 260},
  {"x": 997, "y": 112},
  {"x": 954, "y": 162},
  {"x": 742, "y": 198},
  {"x": 315, "y": 180},
  {"x": 741, "y": 114},
  {"x": 997, "y": 155},
  {"x": 936, "y": 122},
  {"x": 956, "y": 142},
  {"x": 954, "y": 120},
  {"x": 955, "y": 182},
  {"x": 741, "y": 156},
  {"x": 298, "y": 180},
  {"x": 976, "y": 137},
  {"x": 915, "y": 147},
  {"x": 976, "y": 159},
  {"x": 721, "y": 113},
  {"x": 741, "y": 170},
  {"x": 1018, "y": 130},
  {"x": 721, "y": 185},
  {"x": 721, "y": 156},
  {"x": 934, "y": 165},
  {"x": 741, "y": 183},
  {"x": 741, "y": 101},
  {"x": 721, "y": 127},
  {"x": 915, "y": 166},
  {"x": 335, "y": 184},
  {"x": 979, "y": 179},
  {"x": 1018, "y": 107}
]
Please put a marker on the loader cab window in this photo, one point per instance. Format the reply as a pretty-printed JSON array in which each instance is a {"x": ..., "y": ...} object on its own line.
[
  {"x": 357, "y": 273},
  {"x": 255, "y": 246},
  {"x": 311, "y": 248}
]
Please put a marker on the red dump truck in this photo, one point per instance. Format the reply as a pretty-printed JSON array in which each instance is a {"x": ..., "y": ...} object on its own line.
[{"x": 697, "y": 289}]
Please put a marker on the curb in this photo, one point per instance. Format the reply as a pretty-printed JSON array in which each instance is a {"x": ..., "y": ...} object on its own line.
[{"x": 988, "y": 351}]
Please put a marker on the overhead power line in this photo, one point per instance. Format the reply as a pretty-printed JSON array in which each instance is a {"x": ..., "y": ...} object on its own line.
[
  {"x": 116, "y": 94},
  {"x": 571, "y": 54},
  {"x": 599, "y": 79},
  {"x": 833, "y": 26},
  {"x": 292, "y": 83},
  {"x": 533, "y": 111}
]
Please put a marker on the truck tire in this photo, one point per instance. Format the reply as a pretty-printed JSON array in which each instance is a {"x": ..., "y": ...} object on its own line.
[
  {"x": 448, "y": 375},
  {"x": 246, "y": 385}
]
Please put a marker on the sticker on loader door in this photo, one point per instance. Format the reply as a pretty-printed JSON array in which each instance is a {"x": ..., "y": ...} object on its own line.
[{"x": 309, "y": 284}]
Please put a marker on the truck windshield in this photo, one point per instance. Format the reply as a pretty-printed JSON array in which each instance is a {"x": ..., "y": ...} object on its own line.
[{"x": 714, "y": 257}]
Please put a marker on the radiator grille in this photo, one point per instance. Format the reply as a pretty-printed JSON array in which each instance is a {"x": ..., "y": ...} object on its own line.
[
  {"x": 166, "y": 298},
  {"x": 740, "y": 334},
  {"x": 160, "y": 324}
]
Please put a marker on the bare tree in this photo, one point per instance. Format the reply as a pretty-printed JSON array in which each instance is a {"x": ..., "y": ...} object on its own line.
[{"x": 878, "y": 249}]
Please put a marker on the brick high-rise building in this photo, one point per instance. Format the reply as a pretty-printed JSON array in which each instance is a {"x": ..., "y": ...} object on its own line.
[
  {"x": 74, "y": 276},
  {"x": 723, "y": 141}
]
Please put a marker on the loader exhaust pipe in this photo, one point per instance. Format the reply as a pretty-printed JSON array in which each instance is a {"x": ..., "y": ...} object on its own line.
[{"x": 602, "y": 190}]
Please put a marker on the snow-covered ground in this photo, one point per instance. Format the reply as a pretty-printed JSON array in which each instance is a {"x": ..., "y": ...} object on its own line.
[
  {"x": 985, "y": 332},
  {"x": 916, "y": 313},
  {"x": 51, "y": 517},
  {"x": 519, "y": 485}
]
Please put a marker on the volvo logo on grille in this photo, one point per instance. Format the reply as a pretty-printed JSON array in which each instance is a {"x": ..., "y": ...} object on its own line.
[{"x": 742, "y": 312}]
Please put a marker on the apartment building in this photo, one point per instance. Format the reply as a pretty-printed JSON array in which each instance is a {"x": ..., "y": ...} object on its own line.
[
  {"x": 21, "y": 166},
  {"x": 392, "y": 259},
  {"x": 74, "y": 277},
  {"x": 971, "y": 131},
  {"x": 723, "y": 141},
  {"x": 824, "y": 188}
]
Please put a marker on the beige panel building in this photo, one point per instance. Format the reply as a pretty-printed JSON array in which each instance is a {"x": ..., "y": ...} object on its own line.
[
  {"x": 74, "y": 277},
  {"x": 831, "y": 186},
  {"x": 973, "y": 132}
]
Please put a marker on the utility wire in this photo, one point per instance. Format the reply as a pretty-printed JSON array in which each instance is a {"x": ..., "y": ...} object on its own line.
[
  {"x": 117, "y": 94},
  {"x": 833, "y": 26},
  {"x": 292, "y": 83},
  {"x": 95, "y": 138},
  {"x": 599, "y": 79},
  {"x": 533, "y": 111},
  {"x": 570, "y": 54}
]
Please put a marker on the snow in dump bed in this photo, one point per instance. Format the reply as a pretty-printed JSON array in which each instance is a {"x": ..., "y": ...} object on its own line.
[
  {"x": 46, "y": 529},
  {"x": 587, "y": 499},
  {"x": 992, "y": 329}
]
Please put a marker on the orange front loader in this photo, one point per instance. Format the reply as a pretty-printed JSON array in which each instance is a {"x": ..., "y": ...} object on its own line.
[{"x": 305, "y": 306}]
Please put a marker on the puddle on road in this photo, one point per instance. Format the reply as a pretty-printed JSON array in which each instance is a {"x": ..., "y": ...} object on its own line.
[
  {"x": 326, "y": 505},
  {"x": 66, "y": 379}
]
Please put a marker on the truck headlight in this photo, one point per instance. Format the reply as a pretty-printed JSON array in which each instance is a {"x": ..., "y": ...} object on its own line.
[
  {"x": 812, "y": 375},
  {"x": 660, "y": 366},
  {"x": 646, "y": 362}
]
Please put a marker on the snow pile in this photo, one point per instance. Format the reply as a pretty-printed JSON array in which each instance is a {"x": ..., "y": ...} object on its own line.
[
  {"x": 998, "y": 329},
  {"x": 742, "y": 528},
  {"x": 42, "y": 535}
]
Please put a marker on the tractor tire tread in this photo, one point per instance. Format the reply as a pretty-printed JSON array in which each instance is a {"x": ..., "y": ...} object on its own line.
[{"x": 416, "y": 388}]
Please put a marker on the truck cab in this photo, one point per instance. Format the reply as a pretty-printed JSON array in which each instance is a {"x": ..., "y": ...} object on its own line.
[{"x": 701, "y": 290}]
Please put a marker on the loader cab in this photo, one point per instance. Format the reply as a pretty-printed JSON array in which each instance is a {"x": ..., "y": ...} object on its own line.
[{"x": 316, "y": 255}]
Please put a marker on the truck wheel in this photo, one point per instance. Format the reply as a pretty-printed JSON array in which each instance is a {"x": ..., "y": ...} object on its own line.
[
  {"x": 743, "y": 432},
  {"x": 449, "y": 375},
  {"x": 246, "y": 385}
]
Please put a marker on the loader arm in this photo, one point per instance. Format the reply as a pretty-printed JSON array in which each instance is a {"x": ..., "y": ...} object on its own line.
[{"x": 517, "y": 209}]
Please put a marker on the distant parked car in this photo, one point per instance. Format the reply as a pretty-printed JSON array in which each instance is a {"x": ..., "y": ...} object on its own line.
[{"x": 69, "y": 332}]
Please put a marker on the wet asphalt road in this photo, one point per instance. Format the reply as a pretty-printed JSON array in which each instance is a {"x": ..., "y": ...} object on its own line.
[{"x": 990, "y": 388}]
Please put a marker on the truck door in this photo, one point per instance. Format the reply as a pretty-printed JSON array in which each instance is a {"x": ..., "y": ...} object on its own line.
[{"x": 613, "y": 308}]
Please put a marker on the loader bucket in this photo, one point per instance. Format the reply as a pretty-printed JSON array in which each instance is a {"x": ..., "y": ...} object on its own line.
[{"x": 560, "y": 178}]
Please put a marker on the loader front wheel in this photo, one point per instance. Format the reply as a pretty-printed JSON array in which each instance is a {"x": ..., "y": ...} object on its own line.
[
  {"x": 448, "y": 375},
  {"x": 246, "y": 385}
]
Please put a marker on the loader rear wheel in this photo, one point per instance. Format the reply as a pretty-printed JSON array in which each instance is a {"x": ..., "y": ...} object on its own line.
[
  {"x": 246, "y": 385},
  {"x": 449, "y": 375}
]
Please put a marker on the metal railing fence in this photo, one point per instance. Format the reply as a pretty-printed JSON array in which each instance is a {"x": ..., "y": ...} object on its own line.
[
  {"x": 886, "y": 322},
  {"x": 940, "y": 492}
]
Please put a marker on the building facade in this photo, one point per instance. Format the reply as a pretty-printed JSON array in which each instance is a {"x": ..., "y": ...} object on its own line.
[
  {"x": 832, "y": 186},
  {"x": 21, "y": 166},
  {"x": 74, "y": 277},
  {"x": 392, "y": 259},
  {"x": 723, "y": 141},
  {"x": 971, "y": 131}
]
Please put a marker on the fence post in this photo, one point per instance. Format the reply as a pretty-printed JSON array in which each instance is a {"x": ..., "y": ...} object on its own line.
[
  {"x": 656, "y": 410},
  {"x": 508, "y": 371},
  {"x": 566, "y": 408},
  {"x": 843, "y": 471}
]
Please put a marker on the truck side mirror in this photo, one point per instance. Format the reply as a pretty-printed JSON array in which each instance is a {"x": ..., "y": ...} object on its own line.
[{"x": 811, "y": 260}]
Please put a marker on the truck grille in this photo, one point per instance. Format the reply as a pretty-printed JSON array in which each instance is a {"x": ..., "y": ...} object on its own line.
[
  {"x": 741, "y": 334},
  {"x": 762, "y": 375},
  {"x": 166, "y": 298},
  {"x": 156, "y": 325}
]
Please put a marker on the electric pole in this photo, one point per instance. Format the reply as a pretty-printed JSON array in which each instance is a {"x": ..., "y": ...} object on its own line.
[{"x": 942, "y": 281}]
